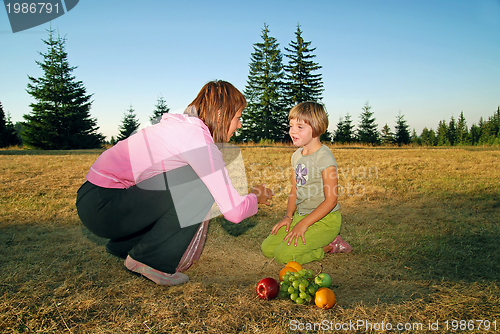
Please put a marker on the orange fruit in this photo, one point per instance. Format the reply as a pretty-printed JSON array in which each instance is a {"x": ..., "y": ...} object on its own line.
[
  {"x": 294, "y": 265},
  {"x": 284, "y": 270},
  {"x": 324, "y": 298}
]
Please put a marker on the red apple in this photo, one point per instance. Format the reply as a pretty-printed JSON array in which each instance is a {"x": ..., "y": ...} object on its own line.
[{"x": 268, "y": 288}]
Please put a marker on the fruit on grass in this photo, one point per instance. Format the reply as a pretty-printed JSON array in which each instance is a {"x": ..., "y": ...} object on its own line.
[
  {"x": 298, "y": 286},
  {"x": 324, "y": 298},
  {"x": 285, "y": 270},
  {"x": 268, "y": 288},
  {"x": 323, "y": 280},
  {"x": 294, "y": 265}
]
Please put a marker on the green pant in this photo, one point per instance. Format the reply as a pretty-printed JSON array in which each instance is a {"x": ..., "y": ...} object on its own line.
[{"x": 318, "y": 235}]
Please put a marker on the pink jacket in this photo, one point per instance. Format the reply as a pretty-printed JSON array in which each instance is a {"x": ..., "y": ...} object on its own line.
[{"x": 178, "y": 140}]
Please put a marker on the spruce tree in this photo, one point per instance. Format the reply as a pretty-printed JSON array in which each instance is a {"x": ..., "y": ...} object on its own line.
[
  {"x": 452, "y": 131},
  {"x": 160, "y": 109},
  {"x": 415, "y": 139},
  {"x": 61, "y": 114},
  {"x": 402, "y": 134},
  {"x": 486, "y": 130},
  {"x": 387, "y": 136},
  {"x": 129, "y": 124},
  {"x": 475, "y": 134},
  {"x": 8, "y": 135},
  {"x": 367, "y": 132},
  {"x": 428, "y": 137},
  {"x": 301, "y": 83},
  {"x": 462, "y": 133},
  {"x": 266, "y": 116},
  {"x": 337, "y": 134},
  {"x": 442, "y": 134},
  {"x": 491, "y": 129},
  {"x": 19, "y": 129},
  {"x": 344, "y": 133}
]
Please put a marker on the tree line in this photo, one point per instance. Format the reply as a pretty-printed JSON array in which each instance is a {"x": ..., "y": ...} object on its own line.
[
  {"x": 452, "y": 133},
  {"x": 61, "y": 119}
]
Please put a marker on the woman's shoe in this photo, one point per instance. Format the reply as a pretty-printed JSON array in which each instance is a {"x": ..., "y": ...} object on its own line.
[
  {"x": 340, "y": 246},
  {"x": 156, "y": 276}
]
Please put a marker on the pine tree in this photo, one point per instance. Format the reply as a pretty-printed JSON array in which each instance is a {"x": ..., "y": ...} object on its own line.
[
  {"x": 493, "y": 127},
  {"x": 452, "y": 131},
  {"x": 415, "y": 139},
  {"x": 337, "y": 134},
  {"x": 326, "y": 137},
  {"x": 402, "y": 135},
  {"x": 344, "y": 133},
  {"x": 19, "y": 129},
  {"x": 161, "y": 108},
  {"x": 496, "y": 119},
  {"x": 462, "y": 133},
  {"x": 475, "y": 134},
  {"x": 367, "y": 129},
  {"x": 442, "y": 134},
  {"x": 486, "y": 131},
  {"x": 8, "y": 135},
  {"x": 61, "y": 114},
  {"x": 301, "y": 84},
  {"x": 266, "y": 116},
  {"x": 387, "y": 136},
  {"x": 428, "y": 137},
  {"x": 129, "y": 124}
]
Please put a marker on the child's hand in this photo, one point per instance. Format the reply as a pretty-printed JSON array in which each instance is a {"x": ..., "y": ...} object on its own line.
[
  {"x": 284, "y": 222},
  {"x": 297, "y": 231}
]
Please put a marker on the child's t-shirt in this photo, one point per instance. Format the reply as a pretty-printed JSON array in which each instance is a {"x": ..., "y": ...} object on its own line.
[{"x": 308, "y": 169}]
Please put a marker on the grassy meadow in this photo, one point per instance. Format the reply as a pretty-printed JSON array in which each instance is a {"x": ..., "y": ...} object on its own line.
[{"x": 424, "y": 225}]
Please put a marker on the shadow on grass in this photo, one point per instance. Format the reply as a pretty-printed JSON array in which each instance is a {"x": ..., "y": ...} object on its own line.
[
  {"x": 237, "y": 229},
  {"x": 52, "y": 152},
  {"x": 455, "y": 239},
  {"x": 463, "y": 257},
  {"x": 94, "y": 238}
]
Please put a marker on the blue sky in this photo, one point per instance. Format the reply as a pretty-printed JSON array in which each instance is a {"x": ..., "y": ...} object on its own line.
[{"x": 429, "y": 60}]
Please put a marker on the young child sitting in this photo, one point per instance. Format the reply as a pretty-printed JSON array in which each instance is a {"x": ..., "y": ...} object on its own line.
[{"x": 312, "y": 213}]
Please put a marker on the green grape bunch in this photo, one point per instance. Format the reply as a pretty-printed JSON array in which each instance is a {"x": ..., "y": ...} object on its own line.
[{"x": 298, "y": 286}]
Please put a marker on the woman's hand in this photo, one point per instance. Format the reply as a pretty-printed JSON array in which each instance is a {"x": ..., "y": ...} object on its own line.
[
  {"x": 284, "y": 222},
  {"x": 263, "y": 194},
  {"x": 297, "y": 231}
]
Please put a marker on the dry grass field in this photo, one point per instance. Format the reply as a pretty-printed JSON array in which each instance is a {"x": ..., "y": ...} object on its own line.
[{"x": 424, "y": 225}]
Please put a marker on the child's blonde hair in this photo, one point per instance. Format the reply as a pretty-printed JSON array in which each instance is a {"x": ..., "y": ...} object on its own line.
[{"x": 312, "y": 113}]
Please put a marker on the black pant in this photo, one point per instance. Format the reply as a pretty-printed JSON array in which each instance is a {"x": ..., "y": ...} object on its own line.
[{"x": 144, "y": 223}]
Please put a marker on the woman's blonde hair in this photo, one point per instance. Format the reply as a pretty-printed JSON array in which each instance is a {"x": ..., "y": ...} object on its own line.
[
  {"x": 217, "y": 103},
  {"x": 312, "y": 113}
]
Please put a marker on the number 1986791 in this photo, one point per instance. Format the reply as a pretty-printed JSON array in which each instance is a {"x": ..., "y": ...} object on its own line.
[{"x": 32, "y": 8}]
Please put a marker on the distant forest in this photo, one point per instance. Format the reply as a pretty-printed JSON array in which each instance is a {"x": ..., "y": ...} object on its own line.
[{"x": 61, "y": 119}]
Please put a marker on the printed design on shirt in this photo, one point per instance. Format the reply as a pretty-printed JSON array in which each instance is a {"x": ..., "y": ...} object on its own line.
[{"x": 301, "y": 174}]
